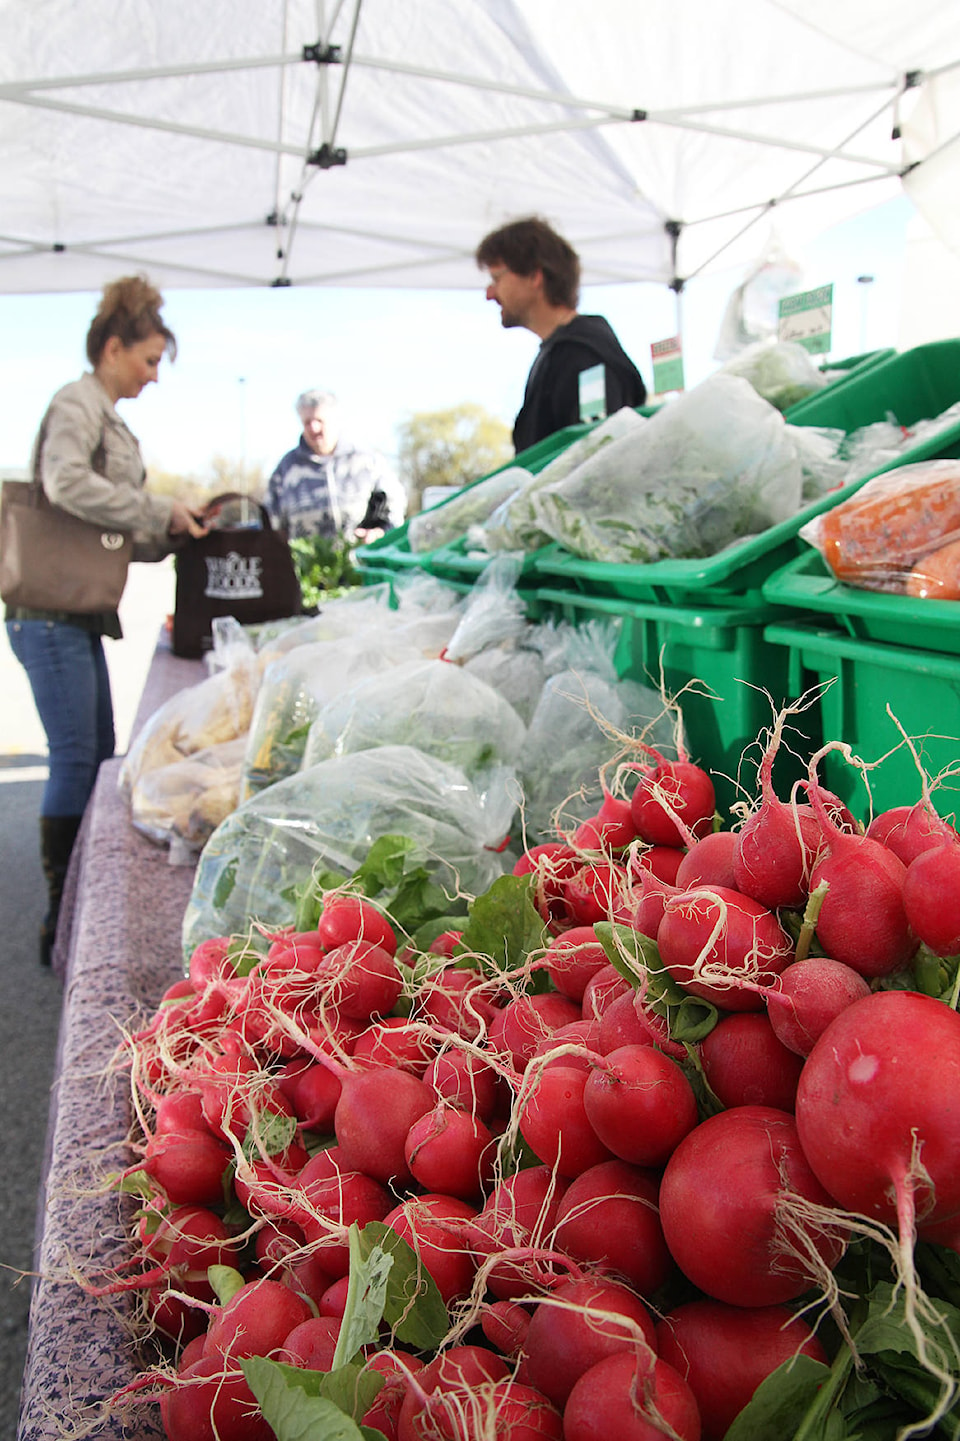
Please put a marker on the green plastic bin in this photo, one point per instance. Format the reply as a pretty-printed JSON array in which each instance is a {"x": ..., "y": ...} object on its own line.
[
  {"x": 728, "y": 676},
  {"x": 392, "y": 551},
  {"x": 915, "y": 385},
  {"x": 807, "y": 584},
  {"x": 853, "y": 368},
  {"x": 861, "y": 678}
]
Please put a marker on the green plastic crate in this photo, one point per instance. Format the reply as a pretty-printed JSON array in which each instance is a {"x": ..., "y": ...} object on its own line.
[
  {"x": 853, "y": 368},
  {"x": 392, "y": 551},
  {"x": 806, "y": 583},
  {"x": 725, "y": 654},
  {"x": 861, "y": 679},
  {"x": 915, "y": 385}
]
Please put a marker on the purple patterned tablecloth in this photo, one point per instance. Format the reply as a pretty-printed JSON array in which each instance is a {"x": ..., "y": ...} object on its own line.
[{"x": 119, "y": 950}]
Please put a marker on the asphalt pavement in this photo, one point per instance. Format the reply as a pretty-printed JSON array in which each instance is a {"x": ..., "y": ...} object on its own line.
[{"x": 30, "y": 995}]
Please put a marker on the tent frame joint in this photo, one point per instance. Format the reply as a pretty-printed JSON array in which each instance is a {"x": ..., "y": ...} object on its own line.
[
  {"x": 322, "y": 54},
  {"x": 639, "y": 115},
  {"x": 327, "y": 156}
]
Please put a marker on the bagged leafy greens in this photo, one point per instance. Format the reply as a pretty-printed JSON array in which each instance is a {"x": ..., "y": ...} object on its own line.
[
  {"x": 431, "y": 704},
  {"x": 572, "y": 732},
  {"x": 255, "y": 863},
  {"x": 181, "y": 804},
  {"x": 781, "y": 371},
  {"x": 712, "y": 467},
  {"x": 446, "y": 522},
  {"x": 513, "y": 525}
]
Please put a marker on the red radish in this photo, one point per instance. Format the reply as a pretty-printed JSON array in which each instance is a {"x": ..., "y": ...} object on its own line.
[
  {"x": 312, "y": 1344},
  {"x": 180, "y": 1111},
  {"x": 184, "y": 1324},
  {"x": 333, "y": 1301},
  {"x": 300, "y": 950},
  {"x": 908, "y": 831},
  {"x": 627, "y": 1021},
  {"x": 526, "y": 1021},
  {"x": 642, "y": 905},
  {"x": 315, "y": 1096},
  {"x": 585, "y": 1035},
  {"x": 878, "y": 1109},
  {"x": 721, "y": 945},
  {"x": 593, "y": 892},
  {"x": 633, "y": 1398},
  {"x": 602, "y": 990},
  {"x": 640, "y": 1104},
  {"x": 352, "y": 918},
  {"x": 364, "y": 978},
  {"x": 862, "y": 921},
  {"x": 188, "y": 1166},
  {"x": 709, "y": 863},
  {"x": 256, "y": 1321},
  {"x": 724, "y": 1352},
  {"x": 436, "y": 1226},
  {"x": 212, "y": 1399},
  {"x": 746, "y": 1065},
  {"x": 808, "y": 996},
  {"x": 554, "y": 1123},
  {"x": 611, "y": 828},
  {"x": 395, "y": 1041},
  {"x": 465, "y": 1080},
  {"x": 450, "y": 1151},
  {"x": 374, "y": 1113},
  {"x": 185, "y": 1242},
  {"x": 719, "y": 1207},
  {"x": 505, "y": 1325},
  {"x": 581, "y": 1323},
  {"x": 455, "y": 999},
  {"x": 330, "y": 1206},
  {"x": 608, "y": 1218},
  {"x": 572, "y": 958},
  {"x": 661, "y": 861},
  {"x": 518, "y": 1412},
  {"x": 519, "y": 1217},
  {"x": 209, "y": 961},
  {"x": 396, "y": 1367},
  {"x": 931, "y": 898},
  {"x": 445, "y": 944},
  {"x": 458, "y": 1372},
  {"x": 672, "y": 802}
]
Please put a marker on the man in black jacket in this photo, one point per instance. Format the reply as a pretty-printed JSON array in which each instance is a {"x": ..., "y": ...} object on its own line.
[{"x": 535, "y": 279}]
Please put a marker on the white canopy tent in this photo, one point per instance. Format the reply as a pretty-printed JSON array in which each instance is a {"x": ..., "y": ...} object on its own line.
[{"x": 372, "y": 142}]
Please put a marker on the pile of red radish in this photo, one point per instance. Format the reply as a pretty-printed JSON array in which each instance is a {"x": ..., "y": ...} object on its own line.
[{"x": 619, "y": 1219}]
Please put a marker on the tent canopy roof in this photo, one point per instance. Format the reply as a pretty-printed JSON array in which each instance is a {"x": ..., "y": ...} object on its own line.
[{"x": 364, "y": 142}]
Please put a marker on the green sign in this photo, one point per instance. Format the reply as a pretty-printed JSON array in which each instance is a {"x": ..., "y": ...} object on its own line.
[
  {"x": 807, "y": 319},
  {"x": 667, "y": 357}
]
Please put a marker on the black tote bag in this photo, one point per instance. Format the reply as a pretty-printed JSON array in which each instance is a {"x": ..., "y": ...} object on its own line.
[{"x": 243, "y": 570}]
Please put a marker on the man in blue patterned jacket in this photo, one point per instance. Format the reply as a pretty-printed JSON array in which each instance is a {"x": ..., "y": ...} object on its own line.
[{"x": 326, "y": 486}]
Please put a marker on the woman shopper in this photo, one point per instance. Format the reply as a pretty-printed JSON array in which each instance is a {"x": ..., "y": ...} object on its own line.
[{"x": 89, "y": 465}]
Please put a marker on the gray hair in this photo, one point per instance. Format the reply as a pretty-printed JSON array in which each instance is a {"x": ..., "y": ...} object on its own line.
[{"x": 310, "y": 400}]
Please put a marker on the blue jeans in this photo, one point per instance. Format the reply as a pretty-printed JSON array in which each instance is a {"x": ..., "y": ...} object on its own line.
[{"x": 68, "y": 675}]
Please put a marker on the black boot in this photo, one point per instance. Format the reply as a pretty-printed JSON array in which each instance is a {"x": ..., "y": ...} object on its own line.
[{"x": 57, "y": 835}]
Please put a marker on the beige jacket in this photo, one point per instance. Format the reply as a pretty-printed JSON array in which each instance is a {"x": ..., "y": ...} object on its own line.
[{"x": 80, "y": 418}]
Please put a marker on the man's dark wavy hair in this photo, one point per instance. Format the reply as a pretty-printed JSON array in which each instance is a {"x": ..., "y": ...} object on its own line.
[{"x": 528, "y": 245}]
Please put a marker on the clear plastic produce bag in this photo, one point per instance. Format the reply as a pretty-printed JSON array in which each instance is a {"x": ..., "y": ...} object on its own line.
[
  {"x": 493, "y": 612},
  {"x": 182, "y": 804},
  {"x": 513, "y": 525},
  {"x": 712, "y": 467},
  {"x": 900, "y": 532},
  {"x": 345, "y": 615},
  {"x": 294, "y": 689},
  {"x": 329, "y": 816},
  {"x": 781, "y": 371},
  {"x": 573, "y": 730},
  {"x": 444, "y": 523},
  {"x": 431, "y": 704},
  {"x": 213, "y": 711}
]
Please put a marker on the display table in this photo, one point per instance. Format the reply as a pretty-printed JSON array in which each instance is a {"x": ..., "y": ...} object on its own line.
[{"x": 118, "y": 949}]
